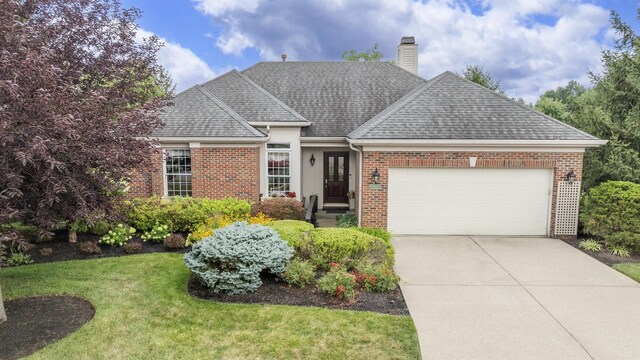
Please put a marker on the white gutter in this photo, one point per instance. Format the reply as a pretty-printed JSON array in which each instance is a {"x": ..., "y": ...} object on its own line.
[
  {"x": 465, "y": 142},
  {"x": 214, "y": 140},
  {"x": 279, "y": 123},
  {"x": 359, "y": 207}
]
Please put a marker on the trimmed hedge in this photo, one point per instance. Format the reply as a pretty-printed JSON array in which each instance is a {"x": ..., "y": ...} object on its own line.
[
  {"x": 279, "y": 209},
  {"x": 291, "y": 230},
  {"x": 611, "y": 207},
  {"x": 181, "y": 214},
  {"x": 345, "y": 246},
  {"x": 377, "y": 232}
]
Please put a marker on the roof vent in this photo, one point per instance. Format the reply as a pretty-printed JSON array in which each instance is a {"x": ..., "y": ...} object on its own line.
[
  {"x": 284, "y": 57},
  {"x": 408, "y": 54}
]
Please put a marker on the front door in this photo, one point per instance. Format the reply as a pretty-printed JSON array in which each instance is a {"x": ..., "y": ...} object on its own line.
[{"x": 336, "y": 177}]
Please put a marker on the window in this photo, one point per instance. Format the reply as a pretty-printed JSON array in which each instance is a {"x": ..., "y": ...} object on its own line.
[
  {"x": 177, "y": 172},
  {"x": 278, "y": 170}
]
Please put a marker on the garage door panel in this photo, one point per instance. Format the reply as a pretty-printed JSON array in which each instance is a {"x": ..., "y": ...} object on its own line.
[{"x": 475, "y": 201}]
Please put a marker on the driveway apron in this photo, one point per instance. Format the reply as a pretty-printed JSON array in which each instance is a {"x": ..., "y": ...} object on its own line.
[{"x": 475, "y": 297}]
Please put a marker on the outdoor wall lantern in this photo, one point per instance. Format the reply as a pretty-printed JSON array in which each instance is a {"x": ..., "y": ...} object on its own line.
[
  {"x": 312, "y": 160},
  {"x": 376, "y": 176},
  {"x": 571, "y": 176}
]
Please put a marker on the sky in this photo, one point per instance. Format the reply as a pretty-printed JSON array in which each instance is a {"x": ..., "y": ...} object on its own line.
[{"x": 530, "y": 46}]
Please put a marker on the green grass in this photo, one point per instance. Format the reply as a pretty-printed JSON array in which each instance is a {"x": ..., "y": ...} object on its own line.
[
  {"x": 144, "y": 311},
  {"x": 632, "y": 270}
]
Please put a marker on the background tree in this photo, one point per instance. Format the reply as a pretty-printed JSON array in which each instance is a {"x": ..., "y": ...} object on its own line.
[
  {"x": 611, "y": 110},
  {"x": 78, "y": 96},
  {"x": 477, "y": 74},
  {"x": 373, "y": 54}
]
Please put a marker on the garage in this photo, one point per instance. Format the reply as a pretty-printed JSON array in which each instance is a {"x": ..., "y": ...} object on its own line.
[{"x": 469, "y": 201}]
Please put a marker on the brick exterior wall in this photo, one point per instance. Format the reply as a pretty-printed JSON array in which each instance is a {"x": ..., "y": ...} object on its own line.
[
  {"x": 216, "y": 173},
  {"x": 374, "y": 202}
]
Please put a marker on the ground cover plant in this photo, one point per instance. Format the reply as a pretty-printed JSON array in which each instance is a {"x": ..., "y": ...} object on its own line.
[{"x": 152, "y": 317}]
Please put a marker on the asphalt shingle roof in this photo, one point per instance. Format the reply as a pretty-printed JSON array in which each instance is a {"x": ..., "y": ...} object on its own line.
[
  {"x": 198, "y": 113},
  {"x": 336, "y": 97},
  {"x": 249, "y": 100},
  {"x": 449, "y": 107}
]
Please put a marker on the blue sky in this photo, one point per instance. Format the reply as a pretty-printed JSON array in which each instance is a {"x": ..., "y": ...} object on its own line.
[{"x": 530, "y": 46}]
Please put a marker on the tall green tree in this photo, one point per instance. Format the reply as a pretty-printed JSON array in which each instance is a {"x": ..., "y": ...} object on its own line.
[
  {"x": 478, "y": 75},
  {"x": 611, "y": 110},
  {"x": 373, "y": 54}
]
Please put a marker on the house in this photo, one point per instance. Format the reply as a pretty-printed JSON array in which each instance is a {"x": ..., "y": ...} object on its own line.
[{"x": 439, "y": 156}]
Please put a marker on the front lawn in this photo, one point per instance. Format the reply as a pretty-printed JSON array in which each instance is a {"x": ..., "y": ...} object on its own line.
[
  {"x": 144, "y": 311},
  {"x": 632, "y": 270}
]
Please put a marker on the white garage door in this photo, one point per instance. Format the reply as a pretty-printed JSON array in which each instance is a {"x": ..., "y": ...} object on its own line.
[{"x": 469, "y": 201}]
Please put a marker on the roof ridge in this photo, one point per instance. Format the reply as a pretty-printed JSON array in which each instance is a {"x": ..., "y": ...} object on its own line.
[
  {"x": 269, "y": 95},
  {"x": 379, "y": 118},
  {"x": 529, "y": 108},
  {"x": 229, "y": 111}
]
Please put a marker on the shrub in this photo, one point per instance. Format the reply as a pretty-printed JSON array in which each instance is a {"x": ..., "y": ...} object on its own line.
[
  {"x": 619, "y": 251},
  {"x": 625, "y": 239},
  {"x": 132, "y": 248},
  {"x": 344, "y": 246},
  {"x": 291, "y": 230},
  {"x": 338, "y": 282},
  {"x": 377, "y": 232},
  {"x": 299, "y": 273},
  {"x": 347, "y": 220},
  {"x": 99, "y": 228},
  {"x": 231, "y": 260},
  {"x": 90, "y": 247},
  {"x": 206, "y": 229},
  {"x": 181, "y": 214},
  {"x": 377, "y": 278},
  {"x": 611, "y": 207},
  {"x": 118, "y": 235},
  {"x": 46, "y": 251},
  {"x": 18, "y": 258},
  {"x": 175, "y": 241},
  {"x": 279, "y": 209},
  {"x": 157, "y": 234},
  {"x": 590, "y": 245}
]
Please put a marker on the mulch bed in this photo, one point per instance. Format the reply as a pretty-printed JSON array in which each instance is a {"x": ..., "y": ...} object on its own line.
[
  {"x": 604, "y": 256},
  {"x": 273, "y": 292},
  {"x": 36, "y": 322},
  {"x": 64, "y": 250}
]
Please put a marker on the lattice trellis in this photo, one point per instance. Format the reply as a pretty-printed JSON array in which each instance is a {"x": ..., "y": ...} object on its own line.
[{"x": 567, "y": 207}]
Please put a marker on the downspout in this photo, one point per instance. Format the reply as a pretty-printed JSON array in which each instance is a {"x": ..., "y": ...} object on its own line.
[{"x": 360, "y": 184}]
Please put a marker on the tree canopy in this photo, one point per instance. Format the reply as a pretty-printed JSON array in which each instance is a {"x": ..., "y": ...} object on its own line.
[
  {"x": 372, "y": 54},
  {"x": 610, "y": 110},
  {"x": 478, "y": 75},
  {"x": 78, "y": 98}
]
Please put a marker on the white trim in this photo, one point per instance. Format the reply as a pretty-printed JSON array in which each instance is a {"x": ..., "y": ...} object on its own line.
[
  {"x": 193, "y": 145},
  {"x": 465, "y": 142},
  {"x": 322, "y": 139},
  {"x": 474, "y": 149},
  {"x": 165, "y": 192},
  {"x": 328, "y": 145},
  {"x": 214, "y": 140},
  {"x": 360, "y": 185},
  {"x": 281, "y": 150},
  {"x": 279, "y": 123},
  {"x": 229, "y": 145}
]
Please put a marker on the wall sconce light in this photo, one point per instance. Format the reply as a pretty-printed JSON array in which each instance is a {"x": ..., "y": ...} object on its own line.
[
  {"x": 312, "y": 160},
  {"x": 376, "y": 176},
  {"x": 571, "y": 176}
]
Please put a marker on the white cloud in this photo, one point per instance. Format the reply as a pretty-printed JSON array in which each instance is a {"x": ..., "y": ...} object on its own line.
[
  {"x": 220, "y": 7},
  {"x": 504, "y": 36},
  {"x": 185, "y": 67}
]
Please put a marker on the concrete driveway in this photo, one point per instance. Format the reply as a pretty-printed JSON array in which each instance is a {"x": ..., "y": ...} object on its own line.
[{"x": 477, "y": 297}]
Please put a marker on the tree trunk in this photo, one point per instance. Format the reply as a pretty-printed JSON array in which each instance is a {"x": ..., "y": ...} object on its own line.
[
  {"x": 3, "y": 314},
  {"x": 73, "y": 236}
]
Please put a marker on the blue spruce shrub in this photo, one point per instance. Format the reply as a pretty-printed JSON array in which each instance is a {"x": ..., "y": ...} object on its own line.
[{"x": 231, "y": 260}]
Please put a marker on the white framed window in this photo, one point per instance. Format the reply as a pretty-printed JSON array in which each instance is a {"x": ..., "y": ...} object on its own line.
[
  {"x": 177, "y": 172},
  {"x": 278, "y": 169}
]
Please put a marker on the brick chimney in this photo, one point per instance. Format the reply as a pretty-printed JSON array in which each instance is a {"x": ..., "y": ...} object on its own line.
[{"x": 408, "y": 54}]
